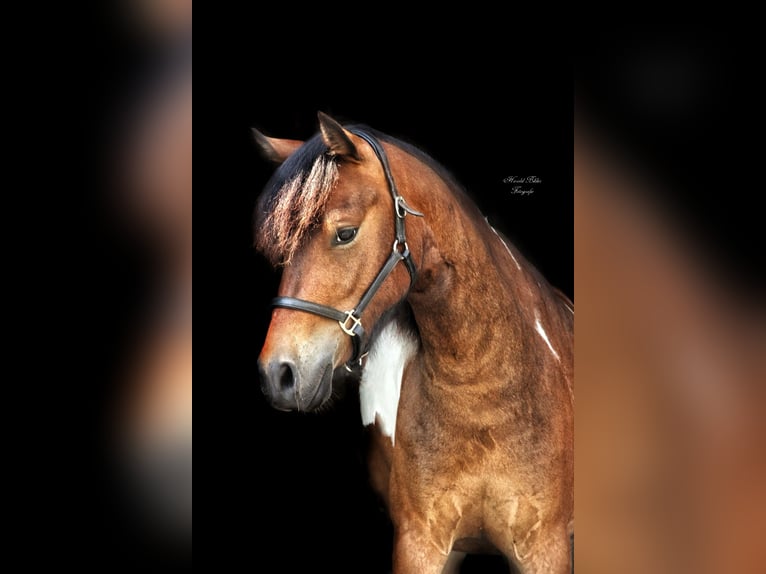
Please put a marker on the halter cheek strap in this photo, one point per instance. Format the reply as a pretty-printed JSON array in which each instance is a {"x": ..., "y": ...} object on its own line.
[{"x": 351, "y": 321}]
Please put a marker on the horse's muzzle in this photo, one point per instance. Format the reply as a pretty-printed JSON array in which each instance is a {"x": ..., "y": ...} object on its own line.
[{"x": 290, "y": 388}]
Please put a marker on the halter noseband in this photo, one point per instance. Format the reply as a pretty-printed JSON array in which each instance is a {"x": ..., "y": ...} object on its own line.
[{"x": 351, "y": 321}]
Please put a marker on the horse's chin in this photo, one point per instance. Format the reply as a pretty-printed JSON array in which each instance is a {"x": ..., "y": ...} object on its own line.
[{"x": 334, "y": 385}]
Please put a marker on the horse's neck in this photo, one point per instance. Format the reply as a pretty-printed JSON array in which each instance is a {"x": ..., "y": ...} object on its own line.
[
  {"x": 465, "y": 313},
  {"x": 466, "y": 316}
]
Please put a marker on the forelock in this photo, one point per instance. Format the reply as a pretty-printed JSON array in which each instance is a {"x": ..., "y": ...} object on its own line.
[{"x": 294, "y": 201}]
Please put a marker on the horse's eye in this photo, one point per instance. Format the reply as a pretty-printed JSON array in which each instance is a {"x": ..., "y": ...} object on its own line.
[{"x": 345, "y": 235}]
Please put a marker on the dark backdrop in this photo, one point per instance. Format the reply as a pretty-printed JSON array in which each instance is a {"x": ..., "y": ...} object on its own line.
[{"x": 301, "y": 479}]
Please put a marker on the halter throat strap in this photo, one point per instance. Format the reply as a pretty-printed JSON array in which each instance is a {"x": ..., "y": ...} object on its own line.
[{"x": 351, "y": 321}]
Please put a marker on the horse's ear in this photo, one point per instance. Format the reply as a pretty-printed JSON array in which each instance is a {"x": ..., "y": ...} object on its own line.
[
  {"x": 336, "y": 138},
  {"x": 274, "y": 149}
]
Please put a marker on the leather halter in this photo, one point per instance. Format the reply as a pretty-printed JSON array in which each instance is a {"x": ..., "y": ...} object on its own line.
[{"x": 351, "y": 321}]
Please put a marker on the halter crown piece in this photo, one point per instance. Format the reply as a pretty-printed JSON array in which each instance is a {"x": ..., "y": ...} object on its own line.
[{"x": 351, "y": 321}]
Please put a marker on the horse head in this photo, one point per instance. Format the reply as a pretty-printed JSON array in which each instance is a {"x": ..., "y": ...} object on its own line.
[{"x": 325, "y": 218}]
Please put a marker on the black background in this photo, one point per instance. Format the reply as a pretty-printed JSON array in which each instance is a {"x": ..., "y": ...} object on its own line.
[{"x": 301, "y": 479}]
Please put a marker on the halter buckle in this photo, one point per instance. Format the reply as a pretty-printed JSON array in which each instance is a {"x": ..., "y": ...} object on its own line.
[
  {"x": 355, "y": 322},
  {"x": 402, "y": 209}
]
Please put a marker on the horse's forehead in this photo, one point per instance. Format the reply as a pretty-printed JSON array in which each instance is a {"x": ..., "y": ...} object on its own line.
[{"x": 358, "y": 186}]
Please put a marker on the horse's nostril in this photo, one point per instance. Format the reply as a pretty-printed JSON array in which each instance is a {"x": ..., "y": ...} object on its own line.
[{"x": 285, "y": 376}]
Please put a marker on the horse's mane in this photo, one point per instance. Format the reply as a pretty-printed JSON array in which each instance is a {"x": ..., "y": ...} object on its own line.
[{"x": 295, "y": 198}]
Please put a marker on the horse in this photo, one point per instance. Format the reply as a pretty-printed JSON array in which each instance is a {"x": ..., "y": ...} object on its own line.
[{"x": 463, "y": 351}]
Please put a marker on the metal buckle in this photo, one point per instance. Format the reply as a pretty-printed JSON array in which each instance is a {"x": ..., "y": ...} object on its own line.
[
  {"x": 402, "y": 254},
  {"x": 399, "y": 203},
  {"x": 405, "y": 209},
  {"x": 355, "y": 323},
  {"x": 359, "y": 362}
]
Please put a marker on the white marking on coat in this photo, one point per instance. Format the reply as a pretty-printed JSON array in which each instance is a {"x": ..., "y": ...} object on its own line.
[
  {"x": 508, "y": 249},
  {"x": 382, "y": 377},
  {"x": 544, "y": 335}
]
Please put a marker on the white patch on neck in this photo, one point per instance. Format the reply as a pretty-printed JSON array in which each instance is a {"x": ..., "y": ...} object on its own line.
[
  {"x": 544, "y": 335},
  {"x": 505, "y": 245},
  {"x": 382, "y": 377}
]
